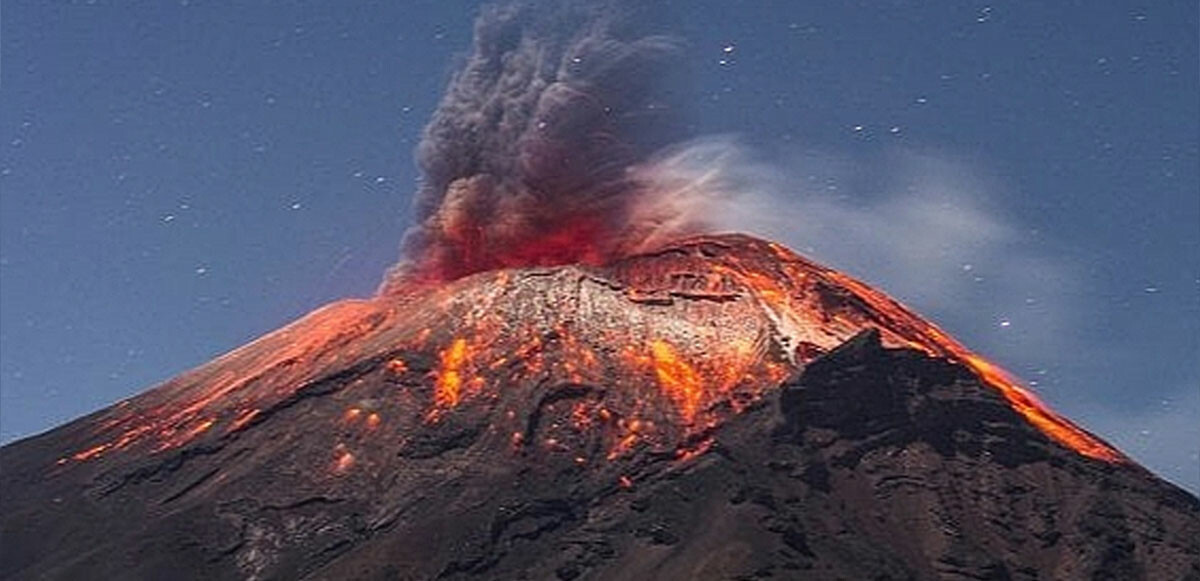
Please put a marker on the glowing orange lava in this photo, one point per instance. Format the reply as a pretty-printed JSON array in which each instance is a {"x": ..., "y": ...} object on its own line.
[
  {"x": 397, "y": 366},
  {"x": 678, "y": 379},
  {"x": 343, "y": 462},
  {"x": 449, "y": 378}
]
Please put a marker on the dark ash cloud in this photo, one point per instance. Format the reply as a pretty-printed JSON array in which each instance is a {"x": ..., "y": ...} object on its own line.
[{"x": 526, "y": 159}]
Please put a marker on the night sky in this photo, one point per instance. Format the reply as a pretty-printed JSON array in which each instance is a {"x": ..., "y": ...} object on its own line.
[{"x": 179, "y": 178}]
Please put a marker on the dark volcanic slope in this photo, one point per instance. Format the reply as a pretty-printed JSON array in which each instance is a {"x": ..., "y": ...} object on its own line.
[{"x": 585, "y": 424}]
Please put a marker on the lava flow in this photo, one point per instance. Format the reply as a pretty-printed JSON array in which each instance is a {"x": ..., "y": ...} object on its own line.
[{"x": 670, "y": 343}]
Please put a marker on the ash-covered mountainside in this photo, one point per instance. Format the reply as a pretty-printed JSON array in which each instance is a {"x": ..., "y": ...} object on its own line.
[{"x": 717, "y": 409}]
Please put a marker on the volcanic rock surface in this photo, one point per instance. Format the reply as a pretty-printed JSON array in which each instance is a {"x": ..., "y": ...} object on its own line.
[{"x": 717, "y": 409}]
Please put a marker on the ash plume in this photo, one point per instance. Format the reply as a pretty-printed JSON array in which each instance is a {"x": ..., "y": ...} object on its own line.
[{"x": 526, "y": 160}]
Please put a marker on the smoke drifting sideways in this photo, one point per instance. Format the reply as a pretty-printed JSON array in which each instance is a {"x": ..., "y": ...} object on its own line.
[{"x": 532, "y": 156}]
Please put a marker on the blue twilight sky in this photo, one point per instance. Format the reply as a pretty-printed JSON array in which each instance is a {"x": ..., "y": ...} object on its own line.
[{"x": 180, "y": 177}]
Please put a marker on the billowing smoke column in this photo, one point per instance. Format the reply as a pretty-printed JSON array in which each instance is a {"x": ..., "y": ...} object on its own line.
[{"x": 527, "y": 160}]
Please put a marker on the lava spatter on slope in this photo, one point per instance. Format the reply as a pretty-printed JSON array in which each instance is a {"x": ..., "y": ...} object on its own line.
[{"x": 677, "y": 340}]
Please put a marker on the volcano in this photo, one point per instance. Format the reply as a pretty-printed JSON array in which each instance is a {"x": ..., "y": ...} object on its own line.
[
  {"x": 718, "y": 408},
  {"x": 569, "y": 376}
]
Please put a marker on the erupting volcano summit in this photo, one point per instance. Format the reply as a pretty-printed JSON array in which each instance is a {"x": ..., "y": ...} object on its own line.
[
  {"x": 680, "y": 337},
  {"x": 717, "y": 408},
  {"x": 567, "y": 377}
]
